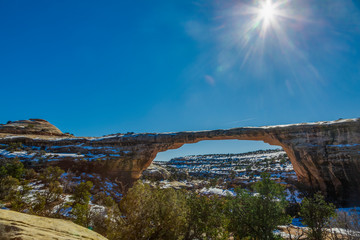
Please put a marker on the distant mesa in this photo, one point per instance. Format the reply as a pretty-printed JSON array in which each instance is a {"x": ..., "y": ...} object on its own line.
[{"x": 325, "y": 155}]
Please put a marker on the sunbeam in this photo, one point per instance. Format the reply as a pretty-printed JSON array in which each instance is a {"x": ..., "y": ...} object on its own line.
[{"x": 266, "y": 34}]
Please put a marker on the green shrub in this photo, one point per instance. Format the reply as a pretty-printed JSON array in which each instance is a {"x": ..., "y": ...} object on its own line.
[
  {"x": 80, "y": 206},
  {"x": 15, "y": 146},
  {"x": 19, "y": 197},
  {"x": 30, "y": 126},
  {"x": 30, "y": 174},
  {"x": 82, "y": 214},
  {"x": 82, "y": 193},
  {"x": 316, "y": 214},
  {"x": 51, "y": 174},
  {"x": 13, "y": 168},
  {"x": 152, "y": 214},
  {"x": 7, "y": 184},
  {"x": 206, "y": 218},
  {"x": 257, "y": 215}
]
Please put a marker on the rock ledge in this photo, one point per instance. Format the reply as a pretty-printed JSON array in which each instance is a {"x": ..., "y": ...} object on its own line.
[{"x": 21, "y": 226}]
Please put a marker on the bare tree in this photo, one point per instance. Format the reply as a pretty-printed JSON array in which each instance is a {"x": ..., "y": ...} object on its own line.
[{"x": 345, "y": 226}]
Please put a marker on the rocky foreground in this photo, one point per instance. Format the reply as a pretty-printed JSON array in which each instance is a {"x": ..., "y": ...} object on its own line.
[
  {"x": 325, "y": 155},
  {"x": 21, "y": 226}
]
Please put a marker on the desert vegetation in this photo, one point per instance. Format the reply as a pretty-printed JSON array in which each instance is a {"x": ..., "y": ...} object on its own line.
[
  {"x": 231, "y": 196},
  {"x": 148, "y": 211}
]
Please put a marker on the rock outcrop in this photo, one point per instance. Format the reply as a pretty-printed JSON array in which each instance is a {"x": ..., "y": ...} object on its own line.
[
  {"x": 325, "y": 155},
  {"x": 31, "y": 126},
  {"x": 156, "y": 172},
  {"x": 21, "y": 226}
]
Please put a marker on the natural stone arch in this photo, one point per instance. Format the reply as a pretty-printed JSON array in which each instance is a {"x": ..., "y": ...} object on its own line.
[{"x": 325, "y": 155}]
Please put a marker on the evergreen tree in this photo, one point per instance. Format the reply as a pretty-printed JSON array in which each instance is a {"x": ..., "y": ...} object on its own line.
[
  {"x": 82, "y": 193},
  {"x": 44, "y": 200},
  {"x": 206, "y": 218},
  {"x": 19, "y": 197},
  {"x": 51, "y": 174},
  {"x": 81, "y": 207},
  {"x": 256, "y": 215},
  {"x": 153, "y": 213},
  {"x": 316, "y": 214},
  {"x": 7, "y": 185},
  {"x": 13, "y": 168}
]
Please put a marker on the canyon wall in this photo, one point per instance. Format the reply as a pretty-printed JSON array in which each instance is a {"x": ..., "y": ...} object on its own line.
[{"x": 325, "y": 155}]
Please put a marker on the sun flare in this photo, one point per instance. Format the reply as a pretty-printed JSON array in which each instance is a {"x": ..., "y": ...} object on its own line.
[
  {"x": 262, "y": 25},
  {"x": 267, "y": 11}
]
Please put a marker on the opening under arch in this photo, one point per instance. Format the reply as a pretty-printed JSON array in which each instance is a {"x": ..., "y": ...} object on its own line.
[
  {"x": 214, "y": 147},
  {"x": 243, "y": 160}
]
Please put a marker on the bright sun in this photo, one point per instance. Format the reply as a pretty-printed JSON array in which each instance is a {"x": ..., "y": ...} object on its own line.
[{"x": 267, "y": 11}]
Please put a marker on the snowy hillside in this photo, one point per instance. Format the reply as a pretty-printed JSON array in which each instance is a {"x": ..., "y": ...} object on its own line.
[{"x": 240, "y": 166}]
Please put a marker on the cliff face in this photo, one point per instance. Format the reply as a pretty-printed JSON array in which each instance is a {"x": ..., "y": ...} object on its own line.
[{"x": 325, "y": 155}]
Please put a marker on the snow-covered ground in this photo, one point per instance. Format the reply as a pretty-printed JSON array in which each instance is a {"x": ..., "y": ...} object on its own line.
[
  {"x": 246, "y": 166},
  {"x": 54, "y": 153},
  {"x": 216, "y": 191}
]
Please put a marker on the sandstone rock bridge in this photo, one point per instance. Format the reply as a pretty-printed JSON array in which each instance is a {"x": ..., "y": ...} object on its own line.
[{"x": 325, "y": 155}]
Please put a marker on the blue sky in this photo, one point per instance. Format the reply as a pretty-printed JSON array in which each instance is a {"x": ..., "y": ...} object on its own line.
[{"x": 99, "y": 67}]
